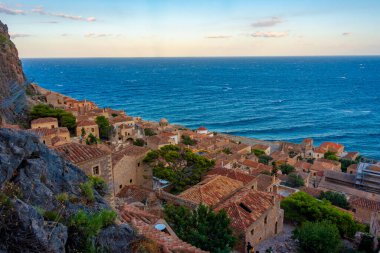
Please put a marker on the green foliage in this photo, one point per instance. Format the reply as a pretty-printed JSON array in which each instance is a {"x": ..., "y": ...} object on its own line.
[
  {"x": 114, "y": 115},
  {"x": 65, "y": 119},
  {"x": 3, "y": 39},
  {"x": 227, "y": 151},
  {"x": 88, "y": 191},
  {"x": 345, "y": 163},
  {"x": 295, "y": 180},
  {"x": 286, "y": 169},
  {"x": 202, "y": 227},
  {"x": 139, "y": 142},
  {"x": 84, "y": 227},
  {"x": 301, "y": 207},
  {"x": 62, "y": 197},
  {"x": 188, "y": 141},
  {"x": 337, "y": 199},
  {"x": 91, "y": 139},
  {"x": 149, "y": 132},
  {"x": 99, "y": 184},
  {"x": 258, "y": 152},
  {"x": 318, "y": 237},
  {"x": 265, "y": 159},
  {"x": 52, "y": 216},
  {"x": 104, "y": 126},
  {"x": 181, "y": 167},
  {"x": 331, "y": 156},
  {"x": 4, "y": 200}
]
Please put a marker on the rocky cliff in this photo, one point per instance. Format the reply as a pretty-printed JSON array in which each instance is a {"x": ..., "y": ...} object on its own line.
[
  {"x": 13, "y": 99},
  {"x": 46, "y": 202}
]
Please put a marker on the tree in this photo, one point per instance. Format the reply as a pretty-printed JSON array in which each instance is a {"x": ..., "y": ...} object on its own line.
[
  {"x": 104, "y": 126},
  {"x": 65, "y": 119},
  {"x": 337, "y": 199},
  {"x": 345, "y": 163},
  {"x": 331, "y": 156},
  {"x": 258, "y": 152},
  {"x": 181, "y": 167},
  {"x": 139, "y": 142},
  {"x": 227, "y": 151},
  {"x": 91, "y": 139},
  {"x": 318, "y": 237},
  {"x": 295, "y": 180},
  {"x": 188, "y": 141},
  {"x": 149, "y": 132},
  {"x": 202, "y": 227},
  {"x": 301, "y": 207},
  {"x": 286, "y": 169},
  {"x": 265, "y": 159}
]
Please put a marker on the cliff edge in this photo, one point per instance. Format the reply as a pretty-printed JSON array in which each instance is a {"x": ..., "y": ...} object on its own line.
[{"x": 13, "y": 99}]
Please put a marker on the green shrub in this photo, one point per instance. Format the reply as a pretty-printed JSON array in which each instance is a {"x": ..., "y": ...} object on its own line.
[
  {"x": 188, "y": 141},
  {"x": 265, "y": 159},
  {"x": 227, "y": 151},
  {"x": 258, "y": 152},
  {"x": 99, "y": 185},
  {"x": 318, "y": 237},
  {"x": 301, "y": 207},
  {"x": 52, "y": 216},
  {"x": 88, "y": 191},
  {"x": 139, "y": 142},
  {"x": 3, "y": 39},
  {"x": 337, "y": 199},
  {"x": 65, "y": 119},
  {"x": 286, "y": 169},
  {"x": 84, "y": 227},
  {"x": 11, "y": 190},
  {"x": 294, "y": 180},
  {"x": 149, "y": 132},
  {"x": 62, "y": 197}
]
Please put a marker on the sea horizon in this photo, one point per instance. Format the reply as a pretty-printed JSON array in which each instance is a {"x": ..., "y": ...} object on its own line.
[{"x": 258, "y": 97}]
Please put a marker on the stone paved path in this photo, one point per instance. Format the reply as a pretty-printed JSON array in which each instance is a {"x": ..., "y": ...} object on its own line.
[{"x": 282, "y": 243}]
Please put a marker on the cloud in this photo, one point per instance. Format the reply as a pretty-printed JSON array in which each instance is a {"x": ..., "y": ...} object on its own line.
[
  {"x": 41, "y": 11},
  {"x": 9, "y": 11},
  {"x": 19, "y": 35},
  {"x": 267, "y": 22},
  {"x": 50, "y": 22},
  {"x": 269, "y": 34},
  {"x": 219, "y": 37},
  {"x": 346, "y": 34},
  {"x": 97, "y": 35}
]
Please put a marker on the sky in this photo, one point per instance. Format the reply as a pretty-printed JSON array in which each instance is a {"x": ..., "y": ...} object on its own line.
[{"x": 176, "y": 28}]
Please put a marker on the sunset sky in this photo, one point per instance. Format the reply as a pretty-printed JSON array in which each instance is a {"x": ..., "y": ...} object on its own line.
[{"x": 121, "y": 28}]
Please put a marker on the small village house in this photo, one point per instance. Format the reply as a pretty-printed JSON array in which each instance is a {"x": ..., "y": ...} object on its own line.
[
  {"x": 87, "y": 127},
  {"x": 48, "y": 122}
]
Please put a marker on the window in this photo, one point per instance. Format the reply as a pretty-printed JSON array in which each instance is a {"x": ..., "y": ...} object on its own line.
[
  {"x": 52, "y": 126},
  {"x": 265, "y": 219},
  {"x": 120, "y": 186},
  {"x": 246, "y": 208},
  {"x": 138, "y": 165},
  {"x": 252, "y": 231},
  {"x": 354, "y": 210},
  {"x": 350, "y": 172},
  {"x": 92, "y": 130},
  {"x": 95, "y": 170},
  {"x": 130, "y": 181}
]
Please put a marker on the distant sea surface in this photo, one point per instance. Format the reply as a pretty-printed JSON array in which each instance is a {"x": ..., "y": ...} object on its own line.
[{"x": 272, "y": 98}]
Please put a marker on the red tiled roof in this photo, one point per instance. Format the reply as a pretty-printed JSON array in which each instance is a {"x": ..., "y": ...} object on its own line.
[
  {"x": 365, "y": 203},
  {"x": 246, "y": 206},
  {"x": 260, "y": 147},
  {"x": 202, "y": 128},
  {"x": 256, "y": 166},
  {"x": 167, "y": 241},
  {"x": 120, "y": 118},
  {"x": 235, "y": 174},
  {"x": 130, "y": 150},
  {"x": 129, "y": 212},
  {"x": 48, "y": 131},
  {"x": 84, "y": 123},
  {"x": 211, "y": 190},
  {"x": 351, "y": 155},
  {"x": 311, "y": 191},
  {"x": 78, "y": 153},
  {"x": 319, "y": 150},
  {"x": 264, "y": 181},
  {"x": 302, "y": 165},
  {"x": 331, "y": 146},
  {"x": 44, "y": 120},
  {"x": 134, "y": 193}
]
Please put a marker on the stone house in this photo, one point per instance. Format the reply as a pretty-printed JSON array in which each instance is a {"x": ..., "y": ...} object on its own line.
[
  {"x": 302, "y": 166},
  {"x": 332, "y": 147},
  {"x": 364, "y": 208},
  {"x": 248, "y": 180},
  {"x": 157, "y": 142},
  {"x": 91, "y": 159},
  {"x": 120, "y": 120},
  {"x": 317, "y": 153},
  {"x": 125, "y": 133},
  {"x": 202, "y": 130},
  {"x": 255, "y": 216},
  {"x": 324, "y": 164},
  {"x": 48, "y": 122},
  {"x": 255, "y": 168},
  {"x": 262, "y": 147},
  {"x": 267, "y": 183},
  {"x": 47, "y": 135},
  {"x": 55, "y": 99},
  {"x": 129, "y": 169},
  {"x": 90, "y": 127}
]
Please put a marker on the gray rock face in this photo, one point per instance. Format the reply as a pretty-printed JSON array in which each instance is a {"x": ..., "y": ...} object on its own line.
[
  {"x": 13, "y": 101},
  {"x": 37, "y": 175}
]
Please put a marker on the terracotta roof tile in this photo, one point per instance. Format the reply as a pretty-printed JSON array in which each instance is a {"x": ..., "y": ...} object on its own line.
[
  {"x": 48, "y": 131},
  {"x": 130, "y": 150},
  {"x": 78, "y": 153},
  {"x": 44, "y": 120},
  {"x": 246, "y": 206},
  {"x": 264, "y": 181},
  {"x": 331, "y": 146},
  {"x": 365, "y": 203},
  {"x": 84, "y": 123},
  {"x": 211, "y": 190},
  {"x": 235, "y": 174}
]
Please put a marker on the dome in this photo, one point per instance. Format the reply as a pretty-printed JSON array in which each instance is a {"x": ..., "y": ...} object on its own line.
[{"x": 163, "y": 120}]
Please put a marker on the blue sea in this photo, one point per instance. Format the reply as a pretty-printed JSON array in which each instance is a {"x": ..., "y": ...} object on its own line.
[{"x": 271, "y": 98}]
